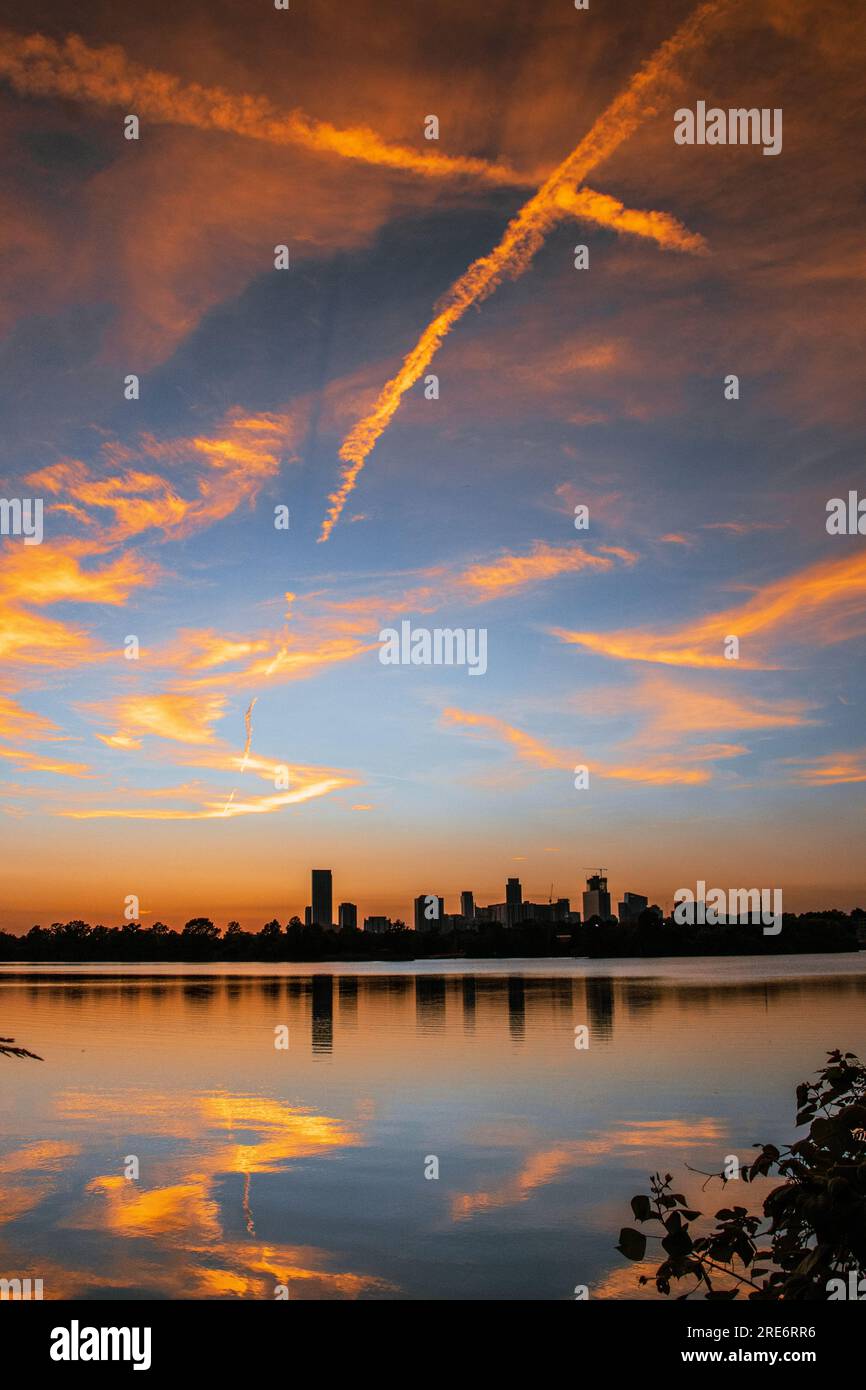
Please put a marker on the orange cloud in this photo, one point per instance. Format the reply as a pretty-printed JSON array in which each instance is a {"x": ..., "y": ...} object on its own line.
[
  {"x": 29, "y": 640},
  {"x": 35, "y": 762},
  {"x": 217, "y": 809},
  {"x": 53, "y": 573},
  {"x": 539, "y": 754},
  {"x": 17, "y": 722},
  {"x": 242, "y": 453},
  {"x": 183, "y": 718},
  {"x": 676, "y": 708},
  {"x": 236, "y": 460},
  {"x": 831, "y": 770},
  {"x": 527, "y": 748},
  {"x": 511, "y": 573},
  {"x": 822, "y": 604},
  {"x": 204, "y": 648}
]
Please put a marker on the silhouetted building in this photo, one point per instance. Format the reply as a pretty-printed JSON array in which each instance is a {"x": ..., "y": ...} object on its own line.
[
  {"x": 429, "y": 912},
  {"x": 467, "y": 905},
  {"x": 560, "y": 911},
  {"x": 308, "y": 916},
  {"x": 632, "y": 906},
  {"x": 596, "y": 899},
  {"x": 348, "y": 915},
  {"x": 322, "y": 895},
  {"x": 513, "y": 901},
  {"x": 377, "y": 924}
]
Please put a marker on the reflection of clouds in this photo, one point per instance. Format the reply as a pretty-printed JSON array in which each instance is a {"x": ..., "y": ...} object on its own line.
[
  {"x": 649, "y": 1137},
  {"x": 39, "y": 1164},
  {"x": 623, "y": 1282},
  {"x": 126, "y": 1210},
  {"x": 171, "y": 1239},
  {"x": 235, "y": 1269}
]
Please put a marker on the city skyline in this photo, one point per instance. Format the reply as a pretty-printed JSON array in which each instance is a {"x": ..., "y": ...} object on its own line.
[
  {"x": 311, "y": 352},
  {"x": 595, "y": 899}
]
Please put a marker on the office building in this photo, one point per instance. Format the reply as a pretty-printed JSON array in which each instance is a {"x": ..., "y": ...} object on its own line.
[
  {"x": 513, "y": 902},
  {"x": 429, "y": 911},
  {"x": 467, "y": 906},
  {"x": 631, "y": 907},
  {"x": 377, "y": 925},
  {"x": 596, "y": 899},
  {"x": 322, "y": 899},
  {"x": 348, "y": 915}
]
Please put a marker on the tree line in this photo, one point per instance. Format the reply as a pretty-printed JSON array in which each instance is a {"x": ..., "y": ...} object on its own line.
[{"x": 200, "y": 939}]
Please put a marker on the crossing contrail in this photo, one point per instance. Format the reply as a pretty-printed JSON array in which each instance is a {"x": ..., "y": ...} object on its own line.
[{"x": 522, "y": 238}]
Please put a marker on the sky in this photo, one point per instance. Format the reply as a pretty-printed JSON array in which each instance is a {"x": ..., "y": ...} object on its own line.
[{"x": 251, "y": 732}]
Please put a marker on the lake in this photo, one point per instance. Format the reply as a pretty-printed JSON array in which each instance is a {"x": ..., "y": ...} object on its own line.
[{"x": 306, "y": 1166}]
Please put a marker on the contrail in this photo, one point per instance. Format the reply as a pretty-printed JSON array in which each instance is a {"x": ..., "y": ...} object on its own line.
[
  {"x": 39, "y": 66},
  {"x": 522, "y": 238},
  {"x": 248, "y": 725},
  {"x": 670, "y": 234}
]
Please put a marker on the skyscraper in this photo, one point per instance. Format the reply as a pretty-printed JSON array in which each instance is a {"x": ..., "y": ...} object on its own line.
[
  {"x": 348, "y": 915},
  {"x": 596, "y": 899},
  {"x": 632, "y": 906},
  {"x": 513, "y": 901},
  {"x": 322, "y": 899},
  {"x": 429, "y": 911},
  {"x": 467, "y": 906}
]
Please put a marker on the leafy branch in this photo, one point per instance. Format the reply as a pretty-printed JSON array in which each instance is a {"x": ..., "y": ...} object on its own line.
[{"x": 813, "y": 1225}]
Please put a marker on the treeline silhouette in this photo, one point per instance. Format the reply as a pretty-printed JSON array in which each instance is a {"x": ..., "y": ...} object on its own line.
[{"x": 649, "y": 936}]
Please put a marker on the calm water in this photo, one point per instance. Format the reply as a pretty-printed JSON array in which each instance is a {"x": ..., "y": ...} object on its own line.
[{"x": 306, "y": 1166}]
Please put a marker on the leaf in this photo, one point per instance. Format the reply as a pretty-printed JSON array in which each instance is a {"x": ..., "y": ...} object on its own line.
[
  {"x": 822, "y": 1130},
  {"x": 632, "y": 1243},
  {"x": 677, "y": 1244},
  {"x": 640, "y": 1205}
]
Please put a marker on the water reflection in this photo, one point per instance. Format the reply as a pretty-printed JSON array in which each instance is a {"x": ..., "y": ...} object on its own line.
[{"x": 305, "y": 1166}]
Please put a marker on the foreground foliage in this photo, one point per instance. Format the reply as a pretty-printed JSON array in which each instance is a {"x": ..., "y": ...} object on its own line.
[{"x": 809, "y": 1241}]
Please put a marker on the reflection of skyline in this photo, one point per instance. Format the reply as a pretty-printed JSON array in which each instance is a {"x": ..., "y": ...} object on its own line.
[
  {"x": 517, "y": 1001},
  {"x": 322, "y": 1013},
  {"x": 305, "y": 1166}
]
